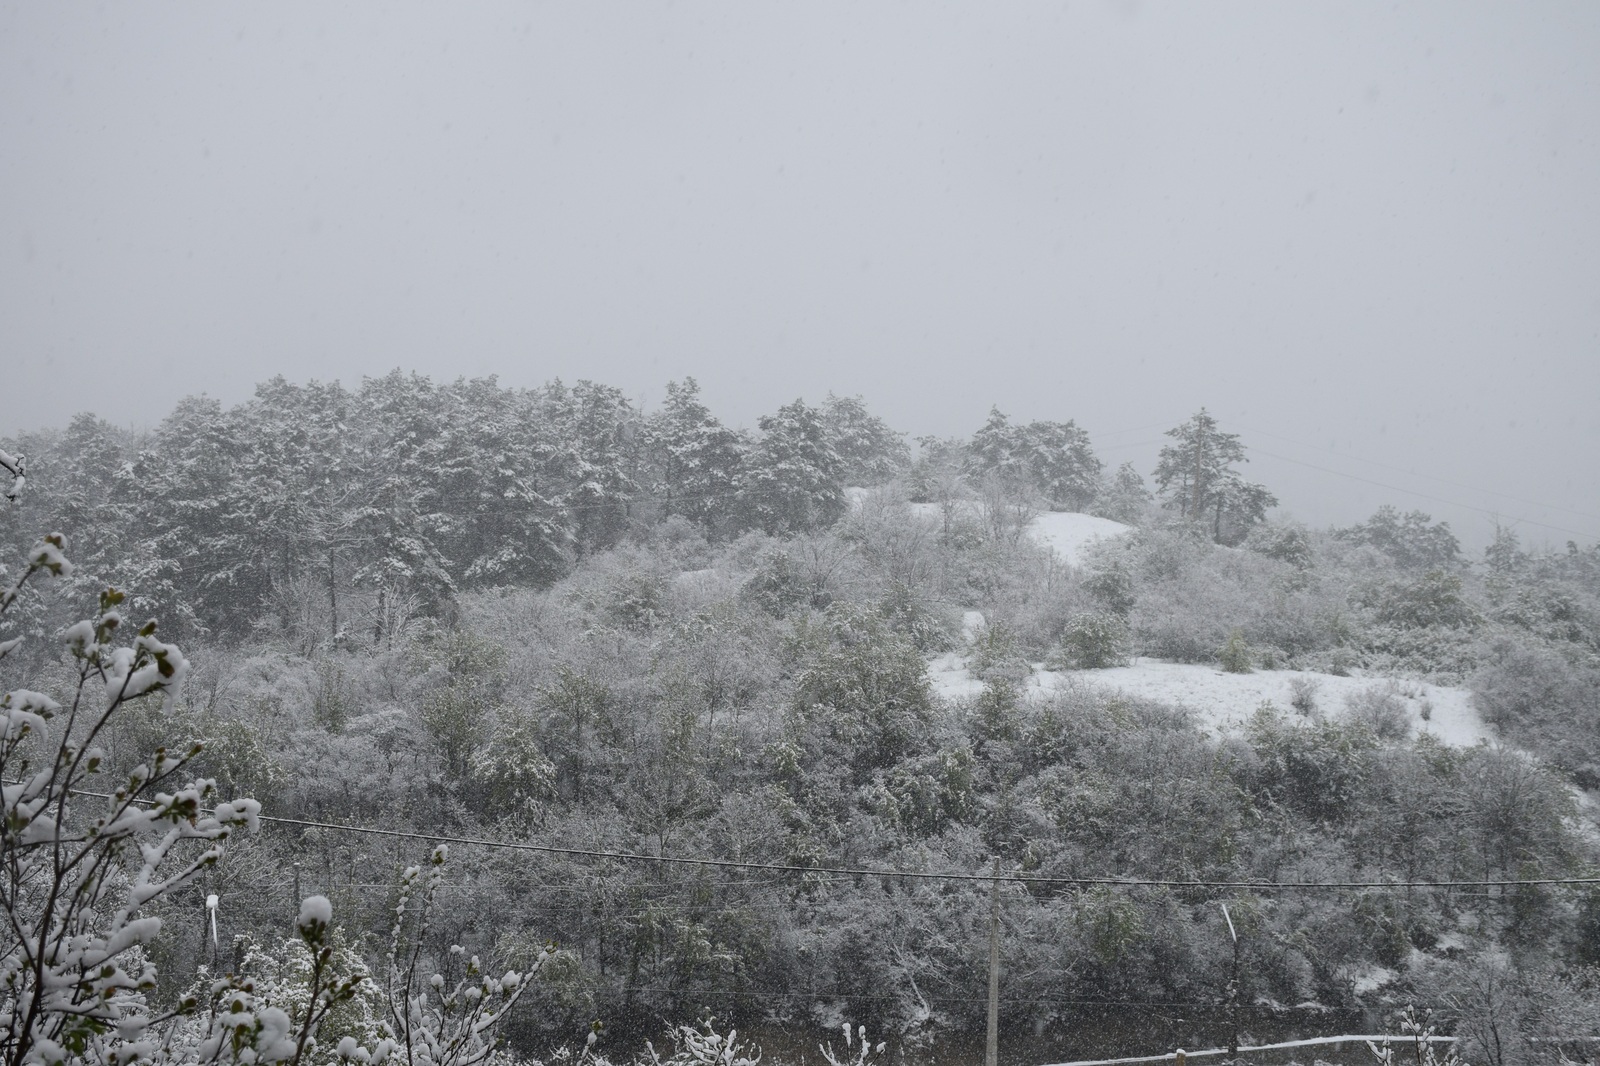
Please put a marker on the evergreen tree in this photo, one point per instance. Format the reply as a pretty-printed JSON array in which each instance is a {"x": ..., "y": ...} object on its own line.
[
  {"x": 998, "y": 450},
  {"x": 404, "y": 464},
  {"x": 1407, "y": 538},
  {"x": 509, "y": 527},
  {"x": 1061, "y": 465},
  {"x": 1197, "y": 478},
  {"x": 1126, "y": 498},
  {"x": 694, "y": 458},
  {"x": 869, "y": 451},
  {"x": 190, "y": 499},
  {"x": 1052, "y": 459},
  {"x": 605, "y": 428},
  {"x": 791, "y": 482}
]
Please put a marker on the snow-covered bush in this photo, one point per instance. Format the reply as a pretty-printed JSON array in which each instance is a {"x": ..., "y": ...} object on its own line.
[
  {"x": 83, "y": 857},
  {"x": 702, "y": 1045},
  {"x": 1380, "y": 709},
  {"x": 446, "y": 1017},
  {"x": 1303, "y": 694},
  {"x": 858, "y": 1050},
  {"x": 1093, "y": 641},
  {"x": 1235, "y": 655},
  {"x": 996, "y": 654}
]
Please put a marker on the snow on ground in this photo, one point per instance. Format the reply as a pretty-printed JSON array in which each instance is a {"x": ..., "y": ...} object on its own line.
[
  {"x": 972, "y": 625},
  {"x": 1068, "y": 534},
  {"x": 1223, "y": 702}
]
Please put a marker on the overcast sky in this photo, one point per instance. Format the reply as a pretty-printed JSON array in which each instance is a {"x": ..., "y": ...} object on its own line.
[{"x": 1366, "y": 237}]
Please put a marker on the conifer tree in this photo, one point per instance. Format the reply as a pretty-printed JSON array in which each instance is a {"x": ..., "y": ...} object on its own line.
[
  {"x": 1196, "y": 477},
  {"x": 791, "y": 482}
]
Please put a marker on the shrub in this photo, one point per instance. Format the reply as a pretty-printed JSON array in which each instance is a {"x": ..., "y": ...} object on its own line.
[
  {"x": 1380, "y": 709},
  {"x": 1093, "y": 641},
  {"x": 996, "y": 655},
  {"x": 1235, "y": 654},
  {"x": 1303, "y": 694}
]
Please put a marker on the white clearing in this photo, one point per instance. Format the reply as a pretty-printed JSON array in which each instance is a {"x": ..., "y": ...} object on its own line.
[
  {"x": 1068, "y": 534},
  {"x": 1222, "y": 703}
]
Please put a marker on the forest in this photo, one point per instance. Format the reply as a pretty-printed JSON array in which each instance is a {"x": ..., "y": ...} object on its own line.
[{"x": 663, "y": 686}]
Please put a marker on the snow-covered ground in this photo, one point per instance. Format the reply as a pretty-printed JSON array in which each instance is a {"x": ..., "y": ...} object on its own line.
[
  {"x": 1068, "y": 534},
  {"x": 1223, "y": 702}
]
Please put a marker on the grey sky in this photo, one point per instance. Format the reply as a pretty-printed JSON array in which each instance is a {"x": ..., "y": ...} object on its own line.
[{"x": 1373, "y": 233}]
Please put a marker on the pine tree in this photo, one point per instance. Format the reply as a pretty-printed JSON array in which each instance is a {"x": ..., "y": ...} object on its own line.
[
  {"x": 791, "y": 482},
  {"x": 1052, "y": 459},
  {"x": 508, "y": 526},
  {"x": 1061, "y": 465},
  {"x": 998, "y": 450},
  {"x": 869, "y": 451},
  {"x": 1411, "y": 539},
  {"x": 1197, "y": 478},
  {"x": 694, "y": 459}
]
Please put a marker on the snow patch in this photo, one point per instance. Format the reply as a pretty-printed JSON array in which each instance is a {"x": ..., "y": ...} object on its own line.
[
  {"x": 950, "y": 678},
  {"x": 972, "y": 625},
  {"x": 1223, "y": 703},
  {"x": 1373, "y": 979},
  {"x": 1070, "y": 534}
]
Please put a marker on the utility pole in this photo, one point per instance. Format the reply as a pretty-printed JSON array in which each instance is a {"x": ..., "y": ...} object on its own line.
[
  {"x": 1199, "y": 457},
  {"x": 991, "y": 1050},
  {"x": 1233, "y": 991}
]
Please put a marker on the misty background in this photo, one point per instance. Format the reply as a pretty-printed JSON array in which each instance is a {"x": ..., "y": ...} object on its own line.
[{"x": 1367, "y": 239}]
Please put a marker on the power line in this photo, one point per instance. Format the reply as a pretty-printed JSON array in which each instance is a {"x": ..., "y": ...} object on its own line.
[
  {"x": 1423, "y": 495},
  {"x": 867, "y": 871},
  {"x": 1413, "y": 473}
]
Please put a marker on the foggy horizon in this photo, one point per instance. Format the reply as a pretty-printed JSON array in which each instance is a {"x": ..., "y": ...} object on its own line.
[{"x": 1365, "y": 240}]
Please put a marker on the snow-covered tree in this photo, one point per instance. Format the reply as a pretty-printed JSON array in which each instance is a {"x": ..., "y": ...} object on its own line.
[
  {"x": 1061, "y": 465},
  {"x": 791, "y": 482},
  {"x": 870, "y": 453},
  {"x": 999, "y": 450},
  {"x": 695, "y": 458},
  {"x": 1409, "y": 539},
  {"x": 1196, "y": 476},
  {"x": 1051, "y": 459}
]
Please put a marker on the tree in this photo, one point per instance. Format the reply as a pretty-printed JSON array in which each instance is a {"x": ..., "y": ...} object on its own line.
[
  {"x": 1061, "y": 465},
  {"x": 866, "y": 690},
  {"x": 791, "y": 482},
  {"x": 189, "y": 502},
  {"x": 999, "y": 450},
  {"x": 696, "y": 459},
  {"x": 1197, "y": 478},
  {"x": 1410, "y": 540},
  {"x": 509, "y": 525},
  {"x": 87, "y": 846},
  {"x": 1052, "y": 459},
  {"x": 870, "y": 453}
]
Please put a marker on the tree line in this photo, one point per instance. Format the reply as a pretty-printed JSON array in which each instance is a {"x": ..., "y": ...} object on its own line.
[{"x": 705, "y": 669}]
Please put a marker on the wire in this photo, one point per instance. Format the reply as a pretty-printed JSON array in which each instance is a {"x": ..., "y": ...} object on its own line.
[
  {"x": 1422, "y": 495},
  {"x": 867, "y": 871},
  {"x": 1413, "y": 473}
]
